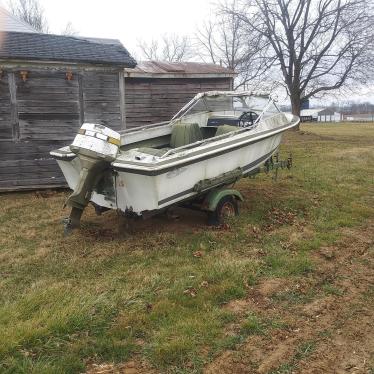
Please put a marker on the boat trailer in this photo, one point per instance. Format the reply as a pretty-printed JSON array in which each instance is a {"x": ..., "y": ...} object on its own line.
[{"x": 216, "y": 196}]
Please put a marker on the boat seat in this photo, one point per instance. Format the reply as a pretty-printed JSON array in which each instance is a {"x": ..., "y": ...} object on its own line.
[
  {"x": 181, "y": 134},
  {"x": 224, "y": 129},
  {"x": 184, "y": 134}
]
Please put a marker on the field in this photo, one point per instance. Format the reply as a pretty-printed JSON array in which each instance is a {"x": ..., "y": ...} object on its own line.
[{"x": 286, "y": 287}]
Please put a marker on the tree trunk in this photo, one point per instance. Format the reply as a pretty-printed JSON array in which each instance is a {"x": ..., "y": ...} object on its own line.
[{"x": 296, "y": 106}]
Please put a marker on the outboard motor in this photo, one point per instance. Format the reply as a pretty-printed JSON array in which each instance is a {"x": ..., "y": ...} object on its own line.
[{"x": 96, "y": 147}]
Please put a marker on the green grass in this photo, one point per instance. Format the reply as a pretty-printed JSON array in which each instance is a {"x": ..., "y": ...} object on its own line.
[
  {"x": 101, "y": 297},
  {"x": 255, "y": 325}
]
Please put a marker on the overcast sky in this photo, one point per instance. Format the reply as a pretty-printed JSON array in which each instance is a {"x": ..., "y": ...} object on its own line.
[{"x": 127, "y": 20}]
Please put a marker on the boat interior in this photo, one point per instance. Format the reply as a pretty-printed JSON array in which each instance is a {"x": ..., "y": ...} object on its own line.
[
  {"x": 207, "y": 118},
  {"x": 192, "y": 130}
]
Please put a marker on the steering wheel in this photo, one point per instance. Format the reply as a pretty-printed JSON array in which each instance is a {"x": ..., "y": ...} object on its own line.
[{"x": 246, "y": 119}]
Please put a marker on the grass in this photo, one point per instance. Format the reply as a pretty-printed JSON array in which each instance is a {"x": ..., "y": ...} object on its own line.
[{"x": 101, "y": 297}]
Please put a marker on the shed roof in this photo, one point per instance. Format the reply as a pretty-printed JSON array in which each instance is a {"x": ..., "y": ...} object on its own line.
[
  {"x": 9, "y": 22},
  {"x": 162, "y": 69},
  {"x": 48, "y": 47}
]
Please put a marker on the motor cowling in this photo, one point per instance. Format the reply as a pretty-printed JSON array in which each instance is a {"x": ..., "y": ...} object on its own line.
[
  {"x": 96, "y": 147},
  {"x": 96, "y": 141}
]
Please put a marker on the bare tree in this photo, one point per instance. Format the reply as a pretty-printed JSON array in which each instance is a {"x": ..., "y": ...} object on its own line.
[
  {"x": 69, "y": 30},
  {"x": 319, "y": 45},
  {"x": 149, "y": 50},
  {"x": 31, "y": 12},
  {"x": 170, "y": 47},
  {"x": 225, "y": 41}
]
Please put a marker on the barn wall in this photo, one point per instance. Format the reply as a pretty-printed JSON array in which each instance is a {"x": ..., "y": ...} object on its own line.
[
  {"x": 45, "y": 111},
  {"x": 158, "y": 99},
  {"x": 49, "y": 111}
]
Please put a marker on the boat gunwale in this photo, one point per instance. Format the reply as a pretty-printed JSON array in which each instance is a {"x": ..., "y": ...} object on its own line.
[{"x": 178, "y": 160}]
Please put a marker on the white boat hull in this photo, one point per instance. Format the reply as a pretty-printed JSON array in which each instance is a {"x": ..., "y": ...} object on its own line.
[{"x": 139, "y": 193}]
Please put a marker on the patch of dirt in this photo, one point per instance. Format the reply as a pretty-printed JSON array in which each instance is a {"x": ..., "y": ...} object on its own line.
[
  {"x": 109, "y": 225},
  {"x": 131, "y": 367},
  {"x": 327, "y": 253},
  {"x": 317, "y": 307},
  {"x": 272, "y": 286},
  {"x": 333, "y": 333},
  {"x": 276, "y": 356},
  {"x": 349, "y": 349},
  {"x": 240, "y": 306}
]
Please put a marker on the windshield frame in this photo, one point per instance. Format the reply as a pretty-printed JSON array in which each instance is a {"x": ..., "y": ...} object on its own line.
[{"x": 201, "y": 97}]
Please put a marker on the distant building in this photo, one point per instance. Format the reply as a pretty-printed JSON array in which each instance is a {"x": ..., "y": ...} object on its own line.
[
  {"x": 319, "y": 115},
  {"x": 359, "y": 117}
]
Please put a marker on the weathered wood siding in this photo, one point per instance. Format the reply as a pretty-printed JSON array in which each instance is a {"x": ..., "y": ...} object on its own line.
[
  {"x": 48, "y": 106},
  {"x": 6, "y": 132},
  {"x": 150, "y": 100},
  {"x": 27, "y": 165},
  {"x": 101, "y": 99},
  {"x": 45, "y": 113}
]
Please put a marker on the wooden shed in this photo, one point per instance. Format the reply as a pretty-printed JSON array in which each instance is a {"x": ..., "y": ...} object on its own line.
[
  {"x": 49, "y": 85},
  {"x": 156, "y": 90}
]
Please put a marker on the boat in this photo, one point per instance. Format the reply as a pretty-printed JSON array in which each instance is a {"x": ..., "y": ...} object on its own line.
[{"x": 215, "y": 139}]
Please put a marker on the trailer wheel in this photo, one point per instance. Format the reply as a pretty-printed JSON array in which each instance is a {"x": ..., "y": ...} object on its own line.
[{"x": 226, "y": 208}]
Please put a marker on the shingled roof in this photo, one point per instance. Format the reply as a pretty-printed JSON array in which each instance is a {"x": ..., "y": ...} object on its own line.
[{"x": 47, "y": 47}]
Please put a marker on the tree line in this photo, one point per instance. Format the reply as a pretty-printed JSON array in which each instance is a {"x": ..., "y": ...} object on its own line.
[{"x": 351, "y": 107}]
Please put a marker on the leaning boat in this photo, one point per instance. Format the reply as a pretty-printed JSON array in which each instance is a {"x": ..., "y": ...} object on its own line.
[{"x": 213, "y": 140}]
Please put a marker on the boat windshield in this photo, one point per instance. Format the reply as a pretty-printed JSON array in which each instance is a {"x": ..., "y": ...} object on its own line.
[{"x": 229, "y": 102}]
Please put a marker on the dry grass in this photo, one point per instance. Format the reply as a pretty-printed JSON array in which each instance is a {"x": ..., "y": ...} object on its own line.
[{"x": 99, "y": 299}]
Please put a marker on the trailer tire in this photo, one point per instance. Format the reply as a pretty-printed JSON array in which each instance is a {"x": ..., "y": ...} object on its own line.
[{"x": 227, "y": 207}]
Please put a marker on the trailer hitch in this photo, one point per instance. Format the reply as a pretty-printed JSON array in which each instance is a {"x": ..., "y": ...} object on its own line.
[{"x": 274, "y": 163}]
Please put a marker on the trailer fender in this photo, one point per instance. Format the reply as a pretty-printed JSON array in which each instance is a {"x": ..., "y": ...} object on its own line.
[{"x": 213, "y": 198}]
